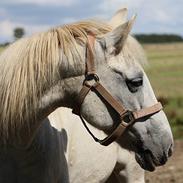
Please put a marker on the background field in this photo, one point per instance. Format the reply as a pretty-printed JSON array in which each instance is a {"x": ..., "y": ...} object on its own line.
[
  {"x": 1, "y": 48},
  {"x": 166, "y": 71},
  {"x": 166, "y": 75}
]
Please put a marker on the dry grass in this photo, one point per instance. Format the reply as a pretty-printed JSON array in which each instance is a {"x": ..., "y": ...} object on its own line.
[
  {"x": 166, "y": 76},
  {"x": 1, "y": 49},
  {"x": 166, "y": 68}
]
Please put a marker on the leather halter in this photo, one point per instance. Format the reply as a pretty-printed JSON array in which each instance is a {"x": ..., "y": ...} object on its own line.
[{"x": 127, "y": 117}]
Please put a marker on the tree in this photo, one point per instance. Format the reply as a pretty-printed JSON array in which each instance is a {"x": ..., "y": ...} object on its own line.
[
  {"x": 158, "y": 38},
  {"x": 18, "y": 33}
]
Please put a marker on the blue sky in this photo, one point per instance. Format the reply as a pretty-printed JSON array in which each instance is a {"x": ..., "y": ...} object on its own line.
[{"x": 154, "y": 16}]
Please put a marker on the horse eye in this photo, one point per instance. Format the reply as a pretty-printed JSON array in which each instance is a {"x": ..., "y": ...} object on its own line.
[{"x": 134, "y": 84}]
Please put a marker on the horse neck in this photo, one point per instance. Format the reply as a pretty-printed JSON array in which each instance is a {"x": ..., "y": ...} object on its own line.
[{"x": 59, "y": 95}]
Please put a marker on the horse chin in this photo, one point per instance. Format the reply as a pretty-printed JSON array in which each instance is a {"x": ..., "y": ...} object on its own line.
[{"x": 145, "y": 160}]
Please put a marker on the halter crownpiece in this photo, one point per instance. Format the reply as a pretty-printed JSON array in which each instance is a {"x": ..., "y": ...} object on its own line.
[{"x": 127, "y": 117}]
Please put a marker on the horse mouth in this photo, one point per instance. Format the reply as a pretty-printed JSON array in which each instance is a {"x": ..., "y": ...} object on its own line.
[{"x": 146, "y": 161}]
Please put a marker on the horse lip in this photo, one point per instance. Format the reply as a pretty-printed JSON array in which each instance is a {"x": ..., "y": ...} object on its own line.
[
  {"x": 150, "y": 161},
  {"x": 156, "y": 162},
  {"x": 146, "y": 160}
]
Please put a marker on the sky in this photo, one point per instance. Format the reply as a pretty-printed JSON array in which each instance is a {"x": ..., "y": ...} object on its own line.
[{"x": 153, "y": 16}]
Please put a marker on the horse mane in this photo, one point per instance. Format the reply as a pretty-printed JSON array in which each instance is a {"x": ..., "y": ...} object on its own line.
[{"x": 30, "y": 65}]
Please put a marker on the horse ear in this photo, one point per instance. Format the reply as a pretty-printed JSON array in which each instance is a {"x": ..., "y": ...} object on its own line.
[
  {"x": 119, "y": 17},
  {"x": 114, "y": 41}
]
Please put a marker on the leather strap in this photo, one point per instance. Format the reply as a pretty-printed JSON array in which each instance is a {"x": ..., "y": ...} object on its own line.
[
  {"x": 113, "y": 102},
  {"x": 109, "y": 139},
  {"x": 127, "y": 117},
  {"x": 90, "y": 65},
  {"x": 147, "y": 111},
  {"x": 82, "y": 94},
  {"x": 110, "y": 99}
]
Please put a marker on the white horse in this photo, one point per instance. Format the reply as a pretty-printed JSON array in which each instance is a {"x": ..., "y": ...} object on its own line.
[
  {"x": 46, "y": 71},
  {"x": 116, "y": 159},
  {"x": 88, "y": 161}
]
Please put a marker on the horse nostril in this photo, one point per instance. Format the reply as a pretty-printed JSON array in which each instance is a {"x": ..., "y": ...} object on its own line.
[
  {"x": 170, "y": 151},
  {"x": 163, "y": 160}
]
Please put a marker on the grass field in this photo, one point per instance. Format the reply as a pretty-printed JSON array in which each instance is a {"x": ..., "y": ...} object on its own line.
[
  {"x": 166, "y": 76},
  {"x": 166, "y": 68},
  {"x": 1, "y": 49},
  {"x": 165, "y": 72}
]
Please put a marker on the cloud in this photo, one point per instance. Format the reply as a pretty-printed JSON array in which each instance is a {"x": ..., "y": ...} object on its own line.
[
  {"x": 3, "y": 12},
  {"x": 37, "y": 18},
  {"x": 152, "y": 16},
  {"x": 37, "y": 15},
  {"x": 43, "y": 2},
  {"x": 6, "y": 30},
  {"x": 113, "y": 5}
]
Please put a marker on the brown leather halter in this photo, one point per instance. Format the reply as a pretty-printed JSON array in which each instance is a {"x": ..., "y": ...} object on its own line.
[{"x": 127, "y": 117}]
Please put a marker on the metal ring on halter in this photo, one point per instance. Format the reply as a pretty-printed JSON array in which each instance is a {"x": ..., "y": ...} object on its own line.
[
  {"x": 127, "y": 118},
  {"x": 91, "y": 77}
]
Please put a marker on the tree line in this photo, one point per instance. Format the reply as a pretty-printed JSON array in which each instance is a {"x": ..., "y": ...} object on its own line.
[{"x": 158, "y": 38}]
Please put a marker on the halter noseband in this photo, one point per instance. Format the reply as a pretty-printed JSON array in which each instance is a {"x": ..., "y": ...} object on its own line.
[{"x": 127, "y": 117}]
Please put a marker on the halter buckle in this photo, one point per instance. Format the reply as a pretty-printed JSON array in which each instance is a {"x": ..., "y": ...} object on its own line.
[{"x": 127, "y": 118}]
